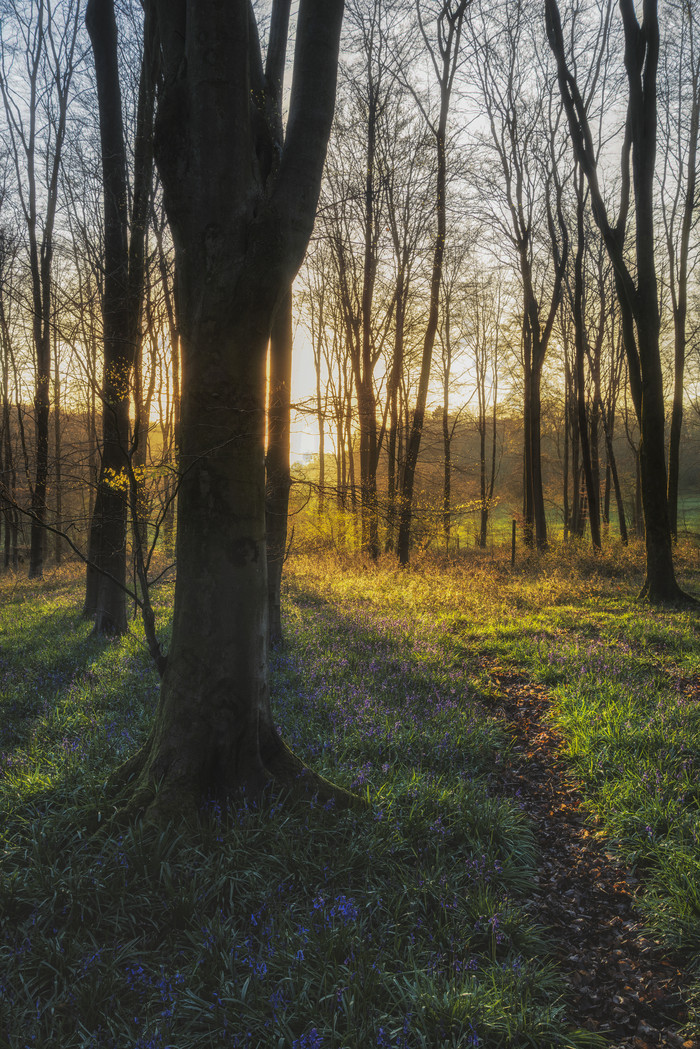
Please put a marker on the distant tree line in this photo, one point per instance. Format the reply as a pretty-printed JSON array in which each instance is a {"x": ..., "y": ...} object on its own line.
[
  {"x": 540, "y": 285},
  {"x": 507, "y": 220},
  {"x": 507, "y": 225}
]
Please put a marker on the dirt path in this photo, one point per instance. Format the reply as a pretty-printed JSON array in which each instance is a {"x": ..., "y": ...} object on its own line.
[{"x": 622, "y": 984}]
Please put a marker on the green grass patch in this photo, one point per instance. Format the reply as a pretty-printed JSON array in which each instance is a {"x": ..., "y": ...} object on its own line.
[
  {"x": 290, "y": 925},
  {"x": 625, "y": 680},
  {"x": 283, "y": 924}
]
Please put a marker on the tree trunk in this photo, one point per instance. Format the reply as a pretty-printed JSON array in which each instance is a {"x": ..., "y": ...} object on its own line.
[
  {"x": 364, "y": 368},
  {"x": 592, "y": 492},
  {"x": 450, "y": 27},
  {"x": 58, "y": 521},
  {"x": 539, "y": 512},
  {"x": 416, "y": 429},
  {"x": 320, "y": 414},
  {"x": 576, "y": 511},
  {"x": 369, "y": 509},
  {"x": 391, "y": 471},
  {"x": 661, "y": 582},
  {"x": 321, "y": 464},
  {"x": 240, "y": 232},
  {"x": 277, "y": 460},
  {"x": 679, "y": 295},
  {"x": 8, "y": 478},
  {"x": 565, "y": 479},
  {"x": 447, "y": 478},
  {"x": 38, "y": 504},
  {"x": 638, "y": 299},
  {"x": 674, "y": 443},
  {"x": 611, "y": 470},
  {"x": 486, "y": 510},
  {"x": 528, "y": 502},
  {"x": 105, "y": 596},
  {"x": 393, "y": 399},
  {"x": 484, "y": 513},
  {"x": 350, "y": 457},
  {"x": 216, "y": 677},
  {"x": 446, "y": 430}
]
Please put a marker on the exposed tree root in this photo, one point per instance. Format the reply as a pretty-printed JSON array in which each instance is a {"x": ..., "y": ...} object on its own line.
[
  {"x": 142, "y": 789},
  {"x": 127, "y": 772},
  {"x": 671, "y": 596},
  {"x": 289, "y": 771}
]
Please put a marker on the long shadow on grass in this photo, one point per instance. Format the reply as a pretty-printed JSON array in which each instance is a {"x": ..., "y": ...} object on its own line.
[
  {"x": 71, "y": 706},
  {"x": 304, "y": 928},
  {"x": 364, "y": 689}
]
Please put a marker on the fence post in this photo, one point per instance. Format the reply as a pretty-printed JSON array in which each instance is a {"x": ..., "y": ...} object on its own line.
[{"x": 512, "y": 545}]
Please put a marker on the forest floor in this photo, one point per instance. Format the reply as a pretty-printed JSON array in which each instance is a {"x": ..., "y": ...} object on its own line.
[
  {"x": 527, "y": 872},
  {"x": 622, "y": 980}
]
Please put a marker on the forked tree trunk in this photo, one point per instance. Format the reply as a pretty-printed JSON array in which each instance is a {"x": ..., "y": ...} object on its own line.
[{"x": 240, "y": 230}]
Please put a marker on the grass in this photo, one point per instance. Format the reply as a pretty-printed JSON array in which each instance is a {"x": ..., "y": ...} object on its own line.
[{"x": 292, "y": 926}]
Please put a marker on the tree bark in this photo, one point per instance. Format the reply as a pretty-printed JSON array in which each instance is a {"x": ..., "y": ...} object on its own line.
[
  {"x": 611, "y": 468},
  {"x": 592, "y": 490},
  {"x": 450, "y": 31},
  {"x": 679, "y": 301},
  {"x": 638, "y": 300},
  {"x": 364, "y": 368},
  {"x": 8, "y": 474},
  {"x": 277, "y": 460},
  {"x": 58, "y": 518},
  {"x": 446, "y": 429},
  {"x": 105, "y": 597},
  {"x": 240, "y": 230}
]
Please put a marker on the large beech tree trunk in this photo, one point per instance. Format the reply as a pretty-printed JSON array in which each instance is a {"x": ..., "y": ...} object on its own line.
[
  {"x": 241, "y": 215},
  {"x": 215, "y": 701}
]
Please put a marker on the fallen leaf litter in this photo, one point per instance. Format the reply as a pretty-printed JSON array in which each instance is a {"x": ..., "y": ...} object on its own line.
[{"x": 622, "y": 984}]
